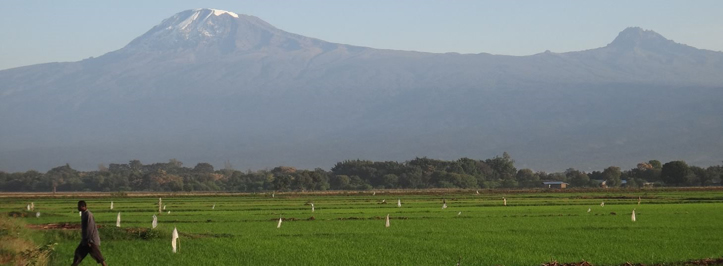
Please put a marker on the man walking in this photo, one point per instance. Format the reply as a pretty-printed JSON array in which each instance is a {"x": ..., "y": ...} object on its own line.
[{"x": 90, "y": 243}]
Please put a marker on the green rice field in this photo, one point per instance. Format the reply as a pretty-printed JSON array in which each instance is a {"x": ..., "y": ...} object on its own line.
[{"x": 349, "y": 228}]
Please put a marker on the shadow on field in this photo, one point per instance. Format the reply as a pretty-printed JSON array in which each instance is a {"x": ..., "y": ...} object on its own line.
[
  {"x": 27, "y": 214},
  {"x": 705, "y": 262},
  {"x": 70, "y": 231}
]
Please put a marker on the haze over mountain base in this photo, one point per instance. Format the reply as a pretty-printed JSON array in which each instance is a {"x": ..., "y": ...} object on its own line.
[{"x": 208, "y": 86}]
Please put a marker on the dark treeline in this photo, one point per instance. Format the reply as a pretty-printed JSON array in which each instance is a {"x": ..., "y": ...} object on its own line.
[{"x": 498, "y": 172}]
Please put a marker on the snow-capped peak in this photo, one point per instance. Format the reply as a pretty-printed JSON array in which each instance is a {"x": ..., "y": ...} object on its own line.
[
  {"x": 199, "y": 28},
  {"x": 218, "y": 12},
  {"x": 197, "y": 20}
]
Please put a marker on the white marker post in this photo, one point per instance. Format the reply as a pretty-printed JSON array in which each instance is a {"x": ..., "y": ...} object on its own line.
[{"x": 174, "y": 239}]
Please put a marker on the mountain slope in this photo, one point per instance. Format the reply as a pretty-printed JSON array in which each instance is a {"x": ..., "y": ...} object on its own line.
[{"x": 211, "y": 85}]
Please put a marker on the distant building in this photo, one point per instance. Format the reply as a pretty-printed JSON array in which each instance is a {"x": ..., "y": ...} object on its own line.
[{"x": 554, "y": 184}]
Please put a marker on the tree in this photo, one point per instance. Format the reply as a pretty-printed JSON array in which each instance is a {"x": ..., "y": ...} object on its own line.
[
  {"x": 357, "y": 183},
  {"x": 697, "y": 176},
  {"x": 353, "y": 174},
  {"x": 282, "y": 183},
  {"x": 577, "y": 178},
  {"x": 527, "y": 178},
  {"x": 644, "y": 166},
  {"x": 237, "y": 181},
  {"x": 468, "y": 181},
  {"x": 340, "y": 181},
  {"x": 175, "y": 163},
  {"x": 504, "y": 167},
  {"x": 509, "y": 183},
  {"x": 283, "y": 170},
  {"x": 715, "y": 173},
  {"x": 390, "y": 181},
  {"x": 60, "y": 175},
  {"x": 675, "y": 173},
  {"x": 412, "y": 179},
  {"x": 135, "y": 165},
  {"x": 636, "y": 182},
  {"x": 469, "y": 166},
  {"x": 203, "y": 168},
  {"x": 612, "y": 176},
  {"x": 302, "y": 181}
]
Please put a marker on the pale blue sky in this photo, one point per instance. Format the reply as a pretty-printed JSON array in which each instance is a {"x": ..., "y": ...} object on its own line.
[{"x": 36, "y": 31}]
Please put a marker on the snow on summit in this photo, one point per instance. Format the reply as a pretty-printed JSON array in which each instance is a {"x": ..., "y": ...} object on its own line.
[
  {"x": 200, "y": 15},
  {"x": 189, "y": 23},
  {"x": 218, "y": 12},
  {"x": 197, "y": 13},
  {"x": 202, "y": 27}
]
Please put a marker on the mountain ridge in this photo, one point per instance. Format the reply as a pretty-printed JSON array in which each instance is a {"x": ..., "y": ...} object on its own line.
[{"x": 229, "y": 88}]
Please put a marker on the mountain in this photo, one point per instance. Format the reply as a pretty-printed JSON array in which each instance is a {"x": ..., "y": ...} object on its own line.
[{"x": 207, "y": 85}]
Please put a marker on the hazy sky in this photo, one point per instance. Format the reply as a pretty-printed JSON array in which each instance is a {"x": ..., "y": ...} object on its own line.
[{"x": 49, "y": 31}]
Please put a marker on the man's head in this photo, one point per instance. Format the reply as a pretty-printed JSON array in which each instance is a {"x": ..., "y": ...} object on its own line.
[{"x": 81, "y": 206}]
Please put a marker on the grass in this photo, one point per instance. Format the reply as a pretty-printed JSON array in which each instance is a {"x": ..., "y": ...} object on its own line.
[
  {"x": 17, "y": 244},
  {"x": 348, "y": 229}
]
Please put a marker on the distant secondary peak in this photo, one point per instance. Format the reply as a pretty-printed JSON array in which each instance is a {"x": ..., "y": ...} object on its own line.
[
  {"x": 635, "y": 36},
  {"x": 637, "y": 32}
]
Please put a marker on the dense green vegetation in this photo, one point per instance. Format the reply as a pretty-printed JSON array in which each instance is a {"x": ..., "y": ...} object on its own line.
[
  {"x": 420, "y": 173},
  {"x": 18, "y": 244},
  {"x": 348, "y": 228}
]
